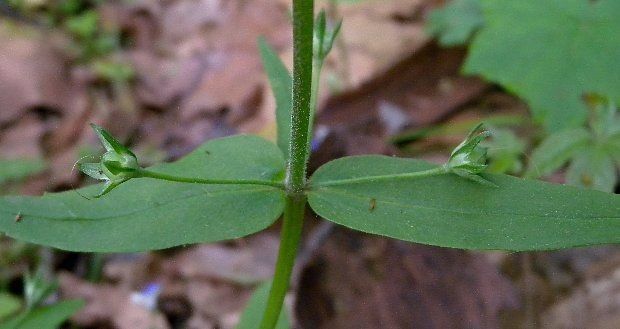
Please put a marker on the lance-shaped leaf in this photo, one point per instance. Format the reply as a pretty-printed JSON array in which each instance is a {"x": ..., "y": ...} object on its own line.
[
  {"x": 447, "y": 210},
  {"x": 556, "y": 150},
  {"x": 282, "y": 87},
  {"x": 144, "y": 213}
]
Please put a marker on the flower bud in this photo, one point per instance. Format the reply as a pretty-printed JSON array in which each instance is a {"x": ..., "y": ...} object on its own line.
[
  {"x": 324, "y": 36},
  {"x": 469, "y": 159},
  {"x": 117, "y": 165}
]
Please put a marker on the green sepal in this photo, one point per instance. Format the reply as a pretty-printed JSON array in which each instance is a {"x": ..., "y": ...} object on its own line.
[
  {"x": 117, "y": 165},
  {"x": 92, "y": 170},
  {"x": 473, "y": 177},
  {"x": 109, "y": 186},
  {"x": 110, "y": 143}
]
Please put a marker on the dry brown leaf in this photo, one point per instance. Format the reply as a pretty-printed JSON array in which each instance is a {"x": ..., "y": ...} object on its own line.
[
  {"x": 361, "y": 281},
  {"x": 595, "y": 304}
]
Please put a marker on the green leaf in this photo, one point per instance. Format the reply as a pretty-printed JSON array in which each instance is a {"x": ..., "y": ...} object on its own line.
[
  {"x": 282, "y": 87},
  {"x": 84, "y": 25},
  {"x": 16, "y": 169},
  {"x": 146, "y": 214},
  {"x": 550, "y": 53},
  {"x": 455, "y": 23},
  {"x": 556, "y": 150},
  {"x": 9, "y": 304},
  {"x": 593, "y": 168},
  {"x": 48, "y": 317},
  {"x": 453, "y": 212},
  {"x": 253, "y": 312}
]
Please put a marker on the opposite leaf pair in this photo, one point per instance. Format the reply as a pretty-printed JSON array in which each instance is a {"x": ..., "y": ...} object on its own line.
[{"x": 119, "y": 164}]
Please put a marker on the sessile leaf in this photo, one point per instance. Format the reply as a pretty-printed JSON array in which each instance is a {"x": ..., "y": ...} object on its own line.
[
  {"x": 449, "y": 211},
  {"x": 146, "y": 214}
]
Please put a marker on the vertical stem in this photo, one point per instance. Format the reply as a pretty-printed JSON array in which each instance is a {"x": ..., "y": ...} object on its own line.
[
  {"x": 95, "y": 267},
  {"x": 289, "y": 242},
  {"x": 303, "y": 26},
  {"x": 303, "y": 23}
]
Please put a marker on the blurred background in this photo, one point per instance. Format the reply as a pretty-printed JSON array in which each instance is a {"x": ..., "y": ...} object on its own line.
[{"x": 405, "y": 77}]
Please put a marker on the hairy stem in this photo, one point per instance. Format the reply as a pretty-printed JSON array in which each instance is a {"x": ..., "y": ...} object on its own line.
[
  {"x": 417, "y": 174},
  {"x": 289, "y": 242},
  {"x": 303, "y": 26},
  {"x": 303, "y": 22},
  {"x": 150, "y": 174}
]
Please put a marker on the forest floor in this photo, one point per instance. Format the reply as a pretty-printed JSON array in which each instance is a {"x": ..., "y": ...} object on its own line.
[{"x": 197, "y": 75}]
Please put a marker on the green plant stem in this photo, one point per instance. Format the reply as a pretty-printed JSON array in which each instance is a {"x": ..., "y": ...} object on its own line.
[
  {"x": 303, "y": 28},
  {"x": 369, "y": 179},
  {"x": 95, "y": 267},
  {"x": 303, "y": 22},
  {"x": 289, "y": 243},
  {"x": 150, "y": 174}
]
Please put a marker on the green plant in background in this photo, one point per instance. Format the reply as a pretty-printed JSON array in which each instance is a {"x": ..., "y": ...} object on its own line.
[
  {"x": 593, "y": 152},
  {"x": 92, "y": 42},
  {"x": 549, "y": 53},
  {"x": 232, "y": 187},
  {"x": 456, "y": 23},
  {"x": 9, "y": 305},
  {"x": 505, "y": 148},
  {"x": 35, "y": 314}
]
